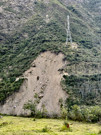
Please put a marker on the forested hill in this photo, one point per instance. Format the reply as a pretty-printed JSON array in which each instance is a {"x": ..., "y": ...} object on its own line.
[{"x": 29, "y": 27}]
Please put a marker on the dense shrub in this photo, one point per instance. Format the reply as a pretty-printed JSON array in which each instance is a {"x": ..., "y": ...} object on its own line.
[
  {"x": 82, "y": 89},
  {"x": 8, "y": 87},
  {"x": 84, "y": 113},
  {"x": 99, "y": 132},
  {"x": 46, "y": 129},
  {"x": 32, "y": 107}
]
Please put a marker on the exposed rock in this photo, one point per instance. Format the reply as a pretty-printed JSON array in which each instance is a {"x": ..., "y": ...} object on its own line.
[
  {"x": 0, "y": 79},
  {"x": 74, "y": 45},
  {"x": 45, "y": 81}
]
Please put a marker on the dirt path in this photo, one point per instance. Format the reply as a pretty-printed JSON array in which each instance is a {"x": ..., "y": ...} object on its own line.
[{"x": 42, "y": 81}]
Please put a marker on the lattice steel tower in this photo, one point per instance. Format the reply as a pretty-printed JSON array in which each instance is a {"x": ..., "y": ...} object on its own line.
[{"x": 68, "y": 38}]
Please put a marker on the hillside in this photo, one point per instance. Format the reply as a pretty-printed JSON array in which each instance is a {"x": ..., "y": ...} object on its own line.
[
  {"x": 29, "y": 28},
  {"x": 40, "y": 87}
]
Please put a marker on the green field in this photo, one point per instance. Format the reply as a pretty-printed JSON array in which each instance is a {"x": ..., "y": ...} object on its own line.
[{"x": 29, "y": 126}]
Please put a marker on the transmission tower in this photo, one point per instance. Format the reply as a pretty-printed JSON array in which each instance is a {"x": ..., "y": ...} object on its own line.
[{"x": 68, "y": 38}]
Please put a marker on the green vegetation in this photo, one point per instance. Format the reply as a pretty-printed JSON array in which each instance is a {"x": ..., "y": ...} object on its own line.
[
  {"x": 46, "y": 129},
  {"x": 84, "y": 113},
  {"x": 9, "y": 9},
  {"x": 20, "y": 48},
  {"x": 8, "y": 87},
  {"x": 83, "y": 89},
  {"x": 2, "y": 3},
  {"x": 32, "y": 107},
  {"x": 66, "y": 127},
  {"x": 18, "y": 51},
  {"x": 34, "y": 112},
  {"x": 26, "y": 126}
]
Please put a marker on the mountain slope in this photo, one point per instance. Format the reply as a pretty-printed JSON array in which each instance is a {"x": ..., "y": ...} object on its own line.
[
  {"x": 36, "y": 31},
  {"x": 40, "y": 86},
  {"x": 28, "y": 28}
]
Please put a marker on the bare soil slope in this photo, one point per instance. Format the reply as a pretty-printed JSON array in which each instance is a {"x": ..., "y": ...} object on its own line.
[{"x": 42, "y": 82}]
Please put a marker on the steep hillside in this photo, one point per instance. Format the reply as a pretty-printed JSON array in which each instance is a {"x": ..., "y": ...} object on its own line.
[
  {"x": 40, "y": 87},
  {"x": 30, "y": 27}
]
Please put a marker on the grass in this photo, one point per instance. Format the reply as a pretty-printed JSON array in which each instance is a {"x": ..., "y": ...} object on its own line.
[{"x": 30, "y": 126}]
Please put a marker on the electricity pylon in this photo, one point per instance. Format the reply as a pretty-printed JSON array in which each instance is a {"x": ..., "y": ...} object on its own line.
[{"x": 68, "y": 38}]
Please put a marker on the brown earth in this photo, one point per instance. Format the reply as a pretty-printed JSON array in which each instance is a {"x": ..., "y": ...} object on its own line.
[{"x": 42, "y": 83}]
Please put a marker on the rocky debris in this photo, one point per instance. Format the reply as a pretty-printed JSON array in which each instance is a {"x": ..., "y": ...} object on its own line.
[
  {"x": 74, "y": 45},
  {"x": 0, "y": 79},
  {"x": 42, "y": 85}
]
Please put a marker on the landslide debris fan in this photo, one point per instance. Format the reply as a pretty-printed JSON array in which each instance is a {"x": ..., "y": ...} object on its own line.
[{"x": 41, "y": 90}]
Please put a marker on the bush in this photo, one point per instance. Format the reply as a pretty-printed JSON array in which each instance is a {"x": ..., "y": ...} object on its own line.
[
  {"x": 8, "y": 87},
  {"x": 99, "y": 132},
  {"x": 46, "y": 129},
  {"x": 85, "y": 113},
  {"x": 4, "y": 124},
  {"x": 32, "y": 106},
  {"x": 81, "y": 89},
  {"x": 63, "y": 113},
  {"x": 66, "y": 126}
]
